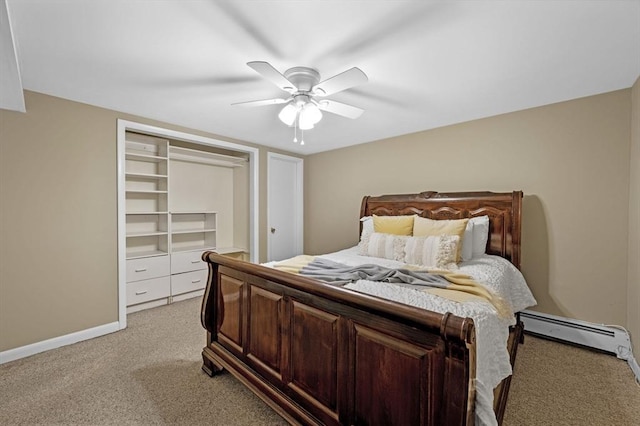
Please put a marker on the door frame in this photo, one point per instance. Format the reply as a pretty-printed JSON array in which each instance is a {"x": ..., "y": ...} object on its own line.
[
  {"x": 254, "y": 213},
  {"x": 299, "y": 200}
]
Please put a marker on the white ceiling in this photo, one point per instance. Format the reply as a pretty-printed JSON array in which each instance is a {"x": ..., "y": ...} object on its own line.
[{"x": 429, "y": 63}]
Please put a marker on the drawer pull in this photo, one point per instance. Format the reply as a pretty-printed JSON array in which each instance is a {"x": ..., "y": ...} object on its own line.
[
  {"x": 195, "y": 261},
  {"x": 141, "y": 270},
  {"x": 195, "y": 281},
  {"x": 138, "y": 293}
]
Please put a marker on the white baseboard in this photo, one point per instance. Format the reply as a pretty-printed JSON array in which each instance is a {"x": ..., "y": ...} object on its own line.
[
  {"x": 614, "y": 339},
  {"x": 635, "y": 368},
  {"x": 56, "y": 342}
]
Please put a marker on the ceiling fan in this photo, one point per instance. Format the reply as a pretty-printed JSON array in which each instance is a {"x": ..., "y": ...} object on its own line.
[{"x": 306, "y": 92}]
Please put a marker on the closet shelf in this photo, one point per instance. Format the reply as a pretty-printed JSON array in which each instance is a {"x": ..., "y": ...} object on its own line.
[
  {"x": 192, "y": 231},
  {"x": 145, "y": 234},
  {"x": 146, "y": 213},
  {"x": 202, "y": 247},
  {"x": 149, "y": 253},
  {"x": 229, "y": 250},
  {"x": 145, "y": 176},
  {"x": 193, "y": 212},
  {"x": 144, "y": 157},
  {"x": 144, "y": 191}
]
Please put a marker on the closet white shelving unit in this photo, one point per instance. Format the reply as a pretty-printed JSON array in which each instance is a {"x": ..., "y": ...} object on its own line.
[
  {"x": 146, "y": 196},
  {"x": 147, "y": 218},
  {"x": 164, "y": 244}
]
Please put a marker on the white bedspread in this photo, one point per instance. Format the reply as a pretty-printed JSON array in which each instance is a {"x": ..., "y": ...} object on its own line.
[{"x": 492, "y": 332}]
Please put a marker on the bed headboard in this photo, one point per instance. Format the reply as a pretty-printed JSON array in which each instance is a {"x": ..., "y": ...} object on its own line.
[{"x": 503, "y": 208}]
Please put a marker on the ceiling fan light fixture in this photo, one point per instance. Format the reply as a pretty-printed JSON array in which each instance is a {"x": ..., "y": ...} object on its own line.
[
  {"x": 288, "y": 114},
  {"x": 310, "y": 115},
  {"x": 305, "y": 125}
]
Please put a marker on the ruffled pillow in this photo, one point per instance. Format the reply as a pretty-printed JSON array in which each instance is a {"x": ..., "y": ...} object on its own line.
[{"x": 432, "y": 252}]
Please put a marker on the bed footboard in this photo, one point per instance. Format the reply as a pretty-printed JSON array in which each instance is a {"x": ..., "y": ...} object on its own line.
[{"x": 320, "y": 354}]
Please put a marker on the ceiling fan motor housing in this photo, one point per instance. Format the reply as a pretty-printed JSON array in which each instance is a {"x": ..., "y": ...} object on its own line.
[
  {"x": 302, "y": 78},
  {"x": 301, "y": 99}
]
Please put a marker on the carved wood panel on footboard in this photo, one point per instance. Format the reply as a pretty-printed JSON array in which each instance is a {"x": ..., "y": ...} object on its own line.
[{"x": 322, "y": 355}]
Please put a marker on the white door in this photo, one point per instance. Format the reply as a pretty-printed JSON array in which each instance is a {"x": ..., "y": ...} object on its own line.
[{"x": 285, "y": 206}]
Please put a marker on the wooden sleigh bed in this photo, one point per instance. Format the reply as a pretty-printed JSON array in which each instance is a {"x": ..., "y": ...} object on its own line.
[{"x": 319, "y": 354}]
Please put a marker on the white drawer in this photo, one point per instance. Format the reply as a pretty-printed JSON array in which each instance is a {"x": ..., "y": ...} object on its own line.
[
  {"x": 189, "y": 281},
  {"x": 146, "y": 290},
  {"x": 187, "y": 261},
  {"x": 147, "y": 267}
]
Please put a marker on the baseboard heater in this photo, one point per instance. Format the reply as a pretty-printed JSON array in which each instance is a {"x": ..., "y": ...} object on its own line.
[{"x": 606, "y": 338}]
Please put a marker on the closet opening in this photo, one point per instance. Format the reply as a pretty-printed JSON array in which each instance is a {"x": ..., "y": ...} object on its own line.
[{"x": 178, "y": 195}]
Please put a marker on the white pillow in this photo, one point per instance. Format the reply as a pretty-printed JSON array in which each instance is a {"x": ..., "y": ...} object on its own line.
[
  {"x": 433, "y": 252},
  {"x": 367, "y": 226},
  {"x": 386, "y": 246},
  {"x": 480, "y": 234},
  {"x": 466, "y": 253}
]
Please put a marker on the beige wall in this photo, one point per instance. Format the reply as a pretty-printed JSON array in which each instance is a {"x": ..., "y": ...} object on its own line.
[
  {"x": 571, "y": 159},
  {"x": 58, "y": 202},
  {"x": 58, "y": 218},
  {"x": 633, "y": 295}
]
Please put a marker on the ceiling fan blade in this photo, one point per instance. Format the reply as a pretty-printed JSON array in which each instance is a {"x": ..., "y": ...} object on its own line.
[
  {"x": 340, "y": 109},
  {"x": 275, "y": 101},
  {"x": 345, "y": 80},
  {"x": 270, "y": 73}
]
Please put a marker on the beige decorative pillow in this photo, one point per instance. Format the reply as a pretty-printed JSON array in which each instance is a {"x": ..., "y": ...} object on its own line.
[
  {"x": 396, "y": 225},
  {"x": 433, "y": 252},
  {"x": 386, "y": 246},
  {"x": 424, "y": 227}
]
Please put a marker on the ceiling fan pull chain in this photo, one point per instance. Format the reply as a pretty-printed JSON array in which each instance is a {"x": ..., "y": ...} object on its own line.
[
  {"x": 295, "y": 132},
  {"x": 301, "y": 136}
]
